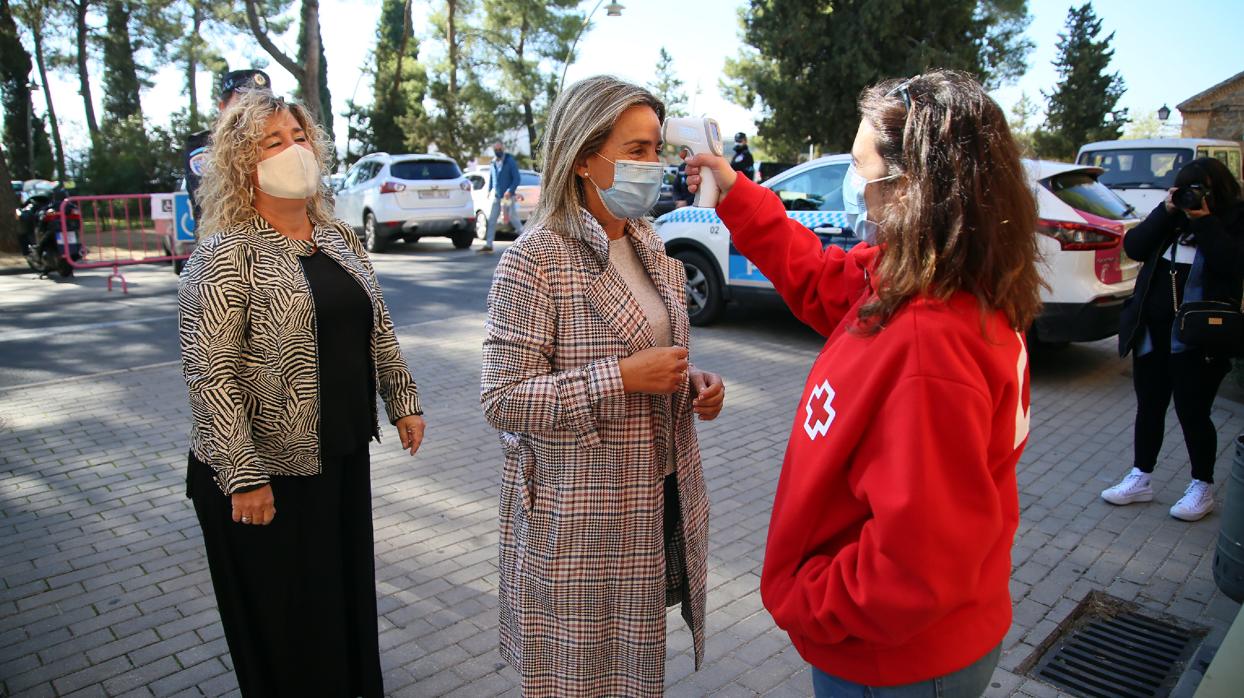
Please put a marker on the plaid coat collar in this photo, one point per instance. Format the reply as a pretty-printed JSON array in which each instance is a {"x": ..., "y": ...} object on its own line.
[{"x": 627, "y": 319}]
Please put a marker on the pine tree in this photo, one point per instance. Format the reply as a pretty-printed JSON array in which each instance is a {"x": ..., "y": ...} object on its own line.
[
  {"x": 526, "y": 40},
  {"x": 467, "y": 113},
  {"x": 25, "y": 140},
  {"x": 121, "y": 82},
  {"x": 804, "y": 65},
  {"x": 667, "y": 87},
  {"x": 1083, "y": 105},
  {"x": 1020, "y": 122},
  {"x": 399, "y": 82}
]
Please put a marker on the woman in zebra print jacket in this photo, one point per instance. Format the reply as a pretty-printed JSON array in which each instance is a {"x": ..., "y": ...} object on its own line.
[{"x": 285, "y": 340}]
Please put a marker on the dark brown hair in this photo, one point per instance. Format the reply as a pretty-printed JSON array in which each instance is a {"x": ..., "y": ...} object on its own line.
[
  {"x": 962, "y": 214},
  {"x": 1224, "y": 191}
]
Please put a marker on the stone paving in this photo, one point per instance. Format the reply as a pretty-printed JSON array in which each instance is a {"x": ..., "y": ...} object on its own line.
[{"x": 104, "y": 588}]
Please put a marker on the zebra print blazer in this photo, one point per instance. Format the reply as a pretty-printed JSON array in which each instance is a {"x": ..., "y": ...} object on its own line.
[{"x": 249, "y": 352}]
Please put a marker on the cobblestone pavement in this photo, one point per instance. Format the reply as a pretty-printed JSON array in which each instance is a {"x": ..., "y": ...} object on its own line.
[{"x": 104, "y": 588}]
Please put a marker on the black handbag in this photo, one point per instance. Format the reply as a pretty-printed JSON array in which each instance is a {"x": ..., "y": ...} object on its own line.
[{"x": 1215, "y": 327}]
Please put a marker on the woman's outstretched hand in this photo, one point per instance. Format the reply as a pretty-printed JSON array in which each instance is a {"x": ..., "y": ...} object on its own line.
[
  {"x": 709, "y": 393},
  {"x": 720, "y": 168}
]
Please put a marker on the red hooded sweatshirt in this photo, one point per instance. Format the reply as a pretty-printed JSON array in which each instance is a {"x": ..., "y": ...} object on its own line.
[{"x": 889, "y": 550}]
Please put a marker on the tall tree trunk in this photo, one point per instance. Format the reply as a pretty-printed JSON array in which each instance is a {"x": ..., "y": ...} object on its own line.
[
  {"x": 451, "y": 107},
  {"x": 529, "y": 116},
  {"x": 310, "y": 78},
  {"x": 37, "y": 32},
  {"x": 192, "y": 61},
  {"x": 84, "y": 75},
  {"x": 307, "y": 73},
  {"x": 8, "y": 202},
  {"x": 401, "y": 52}
]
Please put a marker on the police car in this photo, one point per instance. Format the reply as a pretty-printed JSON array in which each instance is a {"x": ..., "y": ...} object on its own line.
[{"x": 1081, "y": 229}]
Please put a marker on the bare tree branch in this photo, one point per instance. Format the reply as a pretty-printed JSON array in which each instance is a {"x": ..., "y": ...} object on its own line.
[{"x": 261, "y": 35}]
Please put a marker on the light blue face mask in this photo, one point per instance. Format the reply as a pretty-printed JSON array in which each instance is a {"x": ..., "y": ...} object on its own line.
[
  {"x": 636, "y": 187},
  {"x": 853, "y": 185}
]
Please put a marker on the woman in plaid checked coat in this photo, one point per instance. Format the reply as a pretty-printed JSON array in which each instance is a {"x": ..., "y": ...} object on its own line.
[{"x": 604, "y": 514}]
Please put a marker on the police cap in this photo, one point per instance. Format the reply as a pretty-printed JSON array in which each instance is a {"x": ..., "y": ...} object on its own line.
[{"x": 236, "y": 80}]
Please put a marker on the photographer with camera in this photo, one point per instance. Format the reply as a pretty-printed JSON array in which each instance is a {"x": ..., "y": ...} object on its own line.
[{"x": 1192, "y": 246}]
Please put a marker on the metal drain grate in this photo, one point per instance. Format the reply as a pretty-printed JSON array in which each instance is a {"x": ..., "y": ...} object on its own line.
[{"x": 1117, "y": 654}]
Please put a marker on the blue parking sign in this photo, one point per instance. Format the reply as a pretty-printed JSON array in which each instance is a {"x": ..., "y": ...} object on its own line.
[{"x": 183, "y": 217}]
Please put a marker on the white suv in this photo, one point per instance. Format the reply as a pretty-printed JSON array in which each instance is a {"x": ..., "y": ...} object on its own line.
[
  {"x": 389, "y": 197},
  {"x": 1081, "y": 231}
]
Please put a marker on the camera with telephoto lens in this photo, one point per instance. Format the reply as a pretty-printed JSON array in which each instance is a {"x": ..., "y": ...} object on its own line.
[{"x": 1189, "y": 197}]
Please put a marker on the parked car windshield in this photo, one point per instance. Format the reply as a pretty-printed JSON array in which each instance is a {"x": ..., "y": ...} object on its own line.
[
  {"x": 1141, "y": 168},
  {"x": 817, "y": 189},
  {"x": 1082, "y": 191},
  {"x": 425, "y": 169},
  {"x": 530, "y": 179}
]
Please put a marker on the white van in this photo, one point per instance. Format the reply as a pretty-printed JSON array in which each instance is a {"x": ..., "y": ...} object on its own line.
[{"x": 1140, "y": 171}]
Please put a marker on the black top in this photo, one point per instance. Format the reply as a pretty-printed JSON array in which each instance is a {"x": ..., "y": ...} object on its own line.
[
  {"x": 743, "y": 162},
  {"x": 195, "y": 160},
  {"x": 1219, "y": 237},
  {"x": 343, "y": 324}
]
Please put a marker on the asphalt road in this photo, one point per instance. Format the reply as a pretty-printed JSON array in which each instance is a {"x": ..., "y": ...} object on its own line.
[{"x": 55, "y": 328}]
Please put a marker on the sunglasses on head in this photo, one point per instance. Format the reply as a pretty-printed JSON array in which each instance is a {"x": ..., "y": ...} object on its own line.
[{"x": 903, "y": 92}]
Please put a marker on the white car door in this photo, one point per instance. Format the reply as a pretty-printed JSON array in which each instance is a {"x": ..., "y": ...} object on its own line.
[{"x": 347, "y": 205}]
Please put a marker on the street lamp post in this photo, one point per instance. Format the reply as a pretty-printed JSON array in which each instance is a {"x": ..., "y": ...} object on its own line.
[{"x": 613, "y": 9}]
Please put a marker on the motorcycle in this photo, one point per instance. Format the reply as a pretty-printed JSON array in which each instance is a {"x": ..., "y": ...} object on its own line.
[{"x": 43, "y": 236}]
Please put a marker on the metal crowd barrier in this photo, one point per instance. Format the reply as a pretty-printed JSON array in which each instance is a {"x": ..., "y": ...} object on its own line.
[{"x": 123, "y": 230}]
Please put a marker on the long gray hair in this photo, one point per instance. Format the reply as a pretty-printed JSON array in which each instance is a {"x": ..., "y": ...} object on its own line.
[{"x": 579, "y": 124}]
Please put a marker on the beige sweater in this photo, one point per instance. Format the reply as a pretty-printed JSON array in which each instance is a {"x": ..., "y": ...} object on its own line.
[{"x": 623, "y": 258}]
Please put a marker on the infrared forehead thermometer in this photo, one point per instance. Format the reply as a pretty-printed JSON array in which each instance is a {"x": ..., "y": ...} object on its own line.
[{"x": 698, "y": 135}]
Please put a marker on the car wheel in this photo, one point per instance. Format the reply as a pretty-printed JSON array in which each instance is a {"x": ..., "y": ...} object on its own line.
[
  {"x": 704, "y": 293},
  {"x": 370, "y": 238},
  {"x": 462, "y": 239},
  {"x": 481, "y": 225}
]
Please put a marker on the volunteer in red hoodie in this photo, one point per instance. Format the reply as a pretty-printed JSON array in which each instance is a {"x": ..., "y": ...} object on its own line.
[{"x": 889, "y": 549}]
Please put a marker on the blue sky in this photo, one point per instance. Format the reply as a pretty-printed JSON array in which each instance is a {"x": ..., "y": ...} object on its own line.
[{"x": 1166, "y": 52}]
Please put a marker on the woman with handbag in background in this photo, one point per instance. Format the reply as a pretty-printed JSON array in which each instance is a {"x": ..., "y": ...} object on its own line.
[{"x": 1182, "y": 325}]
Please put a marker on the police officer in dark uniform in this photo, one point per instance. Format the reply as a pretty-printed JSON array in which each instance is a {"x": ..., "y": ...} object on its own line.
[
  {"x": 196, "y": 144},
  {"x": 742, "y": 161}
]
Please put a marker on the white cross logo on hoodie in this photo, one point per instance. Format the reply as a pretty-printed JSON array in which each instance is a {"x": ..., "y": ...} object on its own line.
[{"x": 820, "y": 410}]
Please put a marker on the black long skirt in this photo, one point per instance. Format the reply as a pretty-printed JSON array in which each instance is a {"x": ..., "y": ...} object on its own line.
[{"x": 297, "y": 597}]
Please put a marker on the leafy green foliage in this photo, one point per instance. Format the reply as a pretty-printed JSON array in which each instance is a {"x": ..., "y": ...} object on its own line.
[
  {"x": 22, "y": 129},
  {"x": 467, "y": 114},
  {"x": 132, "y": 158},
  {"x": 399, "y": 82},
  {"x": 526, "y": 40},
  {"x": 1083, "y": 105},
  {"x": 121, "y": 79},
  {"x": 806, "y": 61},
  {"x": 667, "y": 87}
]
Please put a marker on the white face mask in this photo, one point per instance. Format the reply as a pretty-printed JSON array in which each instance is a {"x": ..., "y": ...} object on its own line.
[{"x": 293, "y": 173}]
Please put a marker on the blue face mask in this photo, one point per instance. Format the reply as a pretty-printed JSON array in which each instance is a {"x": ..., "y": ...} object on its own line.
[
  {"x": 853, "y": 185},
  {"x": 636, "y": 187}
]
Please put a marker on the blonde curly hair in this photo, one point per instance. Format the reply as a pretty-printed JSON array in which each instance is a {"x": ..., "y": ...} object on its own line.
[{"x": 227, "y": 193}]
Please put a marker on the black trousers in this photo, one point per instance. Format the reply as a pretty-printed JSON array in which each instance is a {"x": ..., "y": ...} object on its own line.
[
  {"x": 1193, "y": 380},
  {"x": 297, "y": 597}
]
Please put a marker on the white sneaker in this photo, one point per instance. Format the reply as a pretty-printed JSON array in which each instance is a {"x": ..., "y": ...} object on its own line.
[
  {"x": 1134, "y": 488},
  {"x": 1198, "y": 500}
]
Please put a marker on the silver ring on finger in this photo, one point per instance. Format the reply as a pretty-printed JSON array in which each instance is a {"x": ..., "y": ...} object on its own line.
[{"x": 246, "y": 519}]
